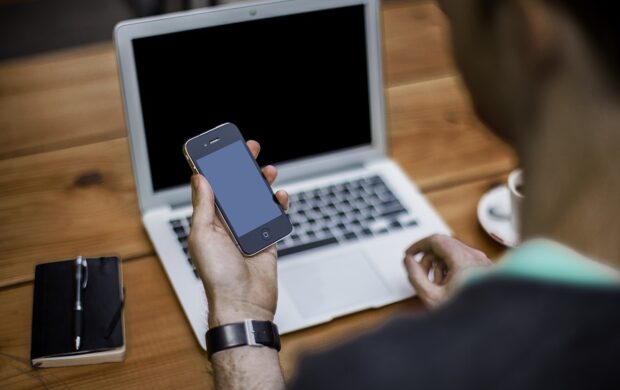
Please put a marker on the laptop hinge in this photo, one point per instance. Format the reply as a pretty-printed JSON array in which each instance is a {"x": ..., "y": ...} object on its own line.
[
  {"x": 297, "y": 178},
  {"x": 320, "y": 173},
  {"x": 180, "y": 205}
]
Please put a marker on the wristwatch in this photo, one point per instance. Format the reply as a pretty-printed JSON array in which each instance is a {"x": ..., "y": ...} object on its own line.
[{"x": 249, "y": 332}]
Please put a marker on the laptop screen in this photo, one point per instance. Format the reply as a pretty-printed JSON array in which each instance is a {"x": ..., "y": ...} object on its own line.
[{"x": 298, "y": 84}]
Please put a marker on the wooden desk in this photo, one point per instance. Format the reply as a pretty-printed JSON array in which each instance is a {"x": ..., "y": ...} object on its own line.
[{"x": 64, "y": 163}]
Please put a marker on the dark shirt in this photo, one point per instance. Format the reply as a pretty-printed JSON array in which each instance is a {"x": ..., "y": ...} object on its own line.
[{"x": 499, "y": 333}]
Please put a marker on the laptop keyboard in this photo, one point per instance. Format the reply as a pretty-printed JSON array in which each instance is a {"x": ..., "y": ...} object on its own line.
[
  {"x": 181, "y": 228},
  {"x": 332, "y": 215},
  {"x": 343, "y": 212}
]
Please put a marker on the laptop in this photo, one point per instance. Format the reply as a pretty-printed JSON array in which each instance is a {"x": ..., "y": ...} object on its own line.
[{"x": 303, "y": 78}]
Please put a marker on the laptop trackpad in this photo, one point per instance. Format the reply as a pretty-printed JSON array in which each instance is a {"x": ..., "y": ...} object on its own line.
[{"x": 333, "y": 284}]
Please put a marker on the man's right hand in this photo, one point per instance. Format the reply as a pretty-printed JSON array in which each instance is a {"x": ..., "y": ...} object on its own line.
[{"x": 446, "y": 258}]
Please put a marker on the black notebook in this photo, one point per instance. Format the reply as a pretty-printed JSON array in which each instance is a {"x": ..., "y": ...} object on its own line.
[{"x": 103, "y": 333}]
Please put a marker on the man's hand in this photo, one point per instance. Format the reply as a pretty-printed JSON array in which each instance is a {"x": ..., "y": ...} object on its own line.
[
  {"x": 445, "y": 258},
  {"x": 237, "y": 287}
]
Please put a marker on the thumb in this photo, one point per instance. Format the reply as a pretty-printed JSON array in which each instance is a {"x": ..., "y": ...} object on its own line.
[{"x": 203, "y": 201}]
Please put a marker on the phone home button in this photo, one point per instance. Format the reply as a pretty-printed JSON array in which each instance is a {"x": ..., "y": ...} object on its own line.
[{"x": 266, "y": 234}]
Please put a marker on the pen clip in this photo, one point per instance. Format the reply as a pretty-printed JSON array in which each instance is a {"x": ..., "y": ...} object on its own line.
[{"x": 85, "y": 273}]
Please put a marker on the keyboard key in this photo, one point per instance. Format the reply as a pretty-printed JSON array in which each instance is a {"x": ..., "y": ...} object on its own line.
[
  {"x": 375, "y": 180},
  {"x": 387, "y": 197},
  {"x": 395, "y": 225},
  {"x": 393, "y": 210},
  {"x": 308, "y": 246},
  {"x": 411, "y": 223},
  {"x": 180, "y": 231},
  {"x": 350, "y": 236},
  {"x": 176, "y": 223},
  {"x": 367, "y": 232}
]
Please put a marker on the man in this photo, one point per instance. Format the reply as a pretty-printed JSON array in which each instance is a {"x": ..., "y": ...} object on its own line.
[{"x": 544, "y": 75}]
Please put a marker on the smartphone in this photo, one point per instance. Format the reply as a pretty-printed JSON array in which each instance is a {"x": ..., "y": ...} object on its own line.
[{"x": 243, "y": 196}]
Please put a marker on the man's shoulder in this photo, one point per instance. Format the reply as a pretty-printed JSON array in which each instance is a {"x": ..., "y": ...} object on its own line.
[{"x": 486, "y": 325}]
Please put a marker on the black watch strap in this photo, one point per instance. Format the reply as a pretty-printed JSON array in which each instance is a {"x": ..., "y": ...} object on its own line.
[{"x": 248, "y": 332}]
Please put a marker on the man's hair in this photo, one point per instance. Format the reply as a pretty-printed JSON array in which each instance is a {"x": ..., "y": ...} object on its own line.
[{"x": 600, "y": 21}]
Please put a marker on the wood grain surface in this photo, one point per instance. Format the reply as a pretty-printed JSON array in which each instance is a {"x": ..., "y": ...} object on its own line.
[{"x": 67, "y": 202}]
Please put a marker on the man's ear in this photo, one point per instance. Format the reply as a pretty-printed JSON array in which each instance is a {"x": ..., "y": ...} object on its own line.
[{"x": 538, "y": 36}]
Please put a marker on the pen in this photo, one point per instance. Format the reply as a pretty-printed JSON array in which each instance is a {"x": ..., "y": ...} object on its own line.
[{"x": 77, "y": 310}]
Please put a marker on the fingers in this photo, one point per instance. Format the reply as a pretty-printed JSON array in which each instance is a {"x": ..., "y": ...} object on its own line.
[
  {"x": 433, "y": 244},
  {"x": 438, "y": 274},
  {"x": 427, "y": 262},
  {"x": 444, "y": 257},
  {"x": 254, "y": 147},
  {"x": 418, "y": 276},
  {"x": 271, "y": 173},
  {"x": 433, "y": 266},
  {"x": 203, "y": 202},
  {"x": 282, "y": 197},
  {"x": 446, "y": 248}
]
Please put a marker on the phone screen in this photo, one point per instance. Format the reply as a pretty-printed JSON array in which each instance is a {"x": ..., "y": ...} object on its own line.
[{"x": 240, "y": 190}]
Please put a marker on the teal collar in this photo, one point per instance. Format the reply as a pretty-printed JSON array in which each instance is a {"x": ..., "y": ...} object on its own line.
[{"x": 548, "y": 260}]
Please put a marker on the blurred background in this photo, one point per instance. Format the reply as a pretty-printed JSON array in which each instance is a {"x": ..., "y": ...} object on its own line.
[{"x": 33, "y": 26}]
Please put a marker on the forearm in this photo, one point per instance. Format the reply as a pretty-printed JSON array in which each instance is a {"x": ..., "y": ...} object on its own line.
[{"x": 247, "y": 368}]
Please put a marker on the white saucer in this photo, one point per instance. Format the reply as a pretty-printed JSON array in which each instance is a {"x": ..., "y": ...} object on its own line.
[{"x": 494, "y": 216}]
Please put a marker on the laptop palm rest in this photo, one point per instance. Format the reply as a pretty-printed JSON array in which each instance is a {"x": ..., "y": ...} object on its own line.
[{"x": 332, "y": 284}]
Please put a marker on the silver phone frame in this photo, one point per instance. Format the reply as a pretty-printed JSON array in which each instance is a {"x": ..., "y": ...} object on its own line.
[
  {"x": 126, "y": 31},
  {"x": 231, "y": 233}
]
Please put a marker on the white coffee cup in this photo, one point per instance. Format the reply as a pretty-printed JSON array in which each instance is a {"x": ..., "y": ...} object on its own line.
[{"x": 515, "y": 185}]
